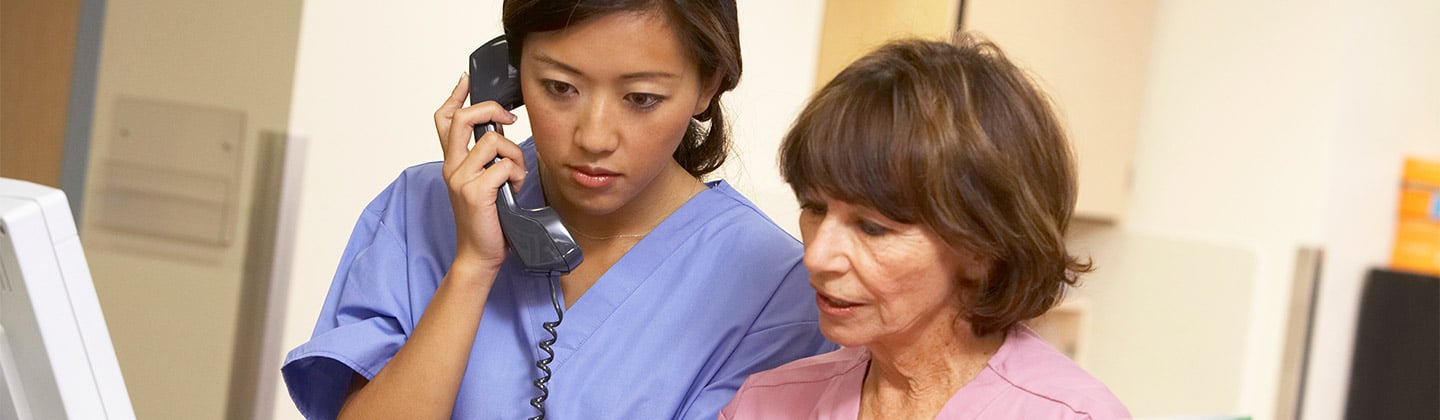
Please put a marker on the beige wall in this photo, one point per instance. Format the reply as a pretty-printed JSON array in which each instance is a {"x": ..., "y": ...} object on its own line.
[
  {"x": 1236, "y": 133},
  {"x": 1162, "y": 308},
  {"x": 1277, "y": 125},
  {"x": 173, "y": 308}
]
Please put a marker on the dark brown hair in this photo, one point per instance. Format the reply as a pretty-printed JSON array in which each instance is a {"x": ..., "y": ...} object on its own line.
[
  {"x": 956, "y": 138},
  {"x": 708, "y": 29}
]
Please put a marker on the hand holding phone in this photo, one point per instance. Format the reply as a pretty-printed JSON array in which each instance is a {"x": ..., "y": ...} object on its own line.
[{"x": 536, "y": 236}]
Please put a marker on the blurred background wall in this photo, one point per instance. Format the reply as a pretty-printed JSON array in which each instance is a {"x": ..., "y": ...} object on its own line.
[
  {"x": 175, "y": 298},
  {"x": 1229, "y": 152}
]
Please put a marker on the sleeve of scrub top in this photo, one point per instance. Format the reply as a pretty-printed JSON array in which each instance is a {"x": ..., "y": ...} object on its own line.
[
  {"x": 784, "y": 332},
  {"x": 360, "y": 326}
]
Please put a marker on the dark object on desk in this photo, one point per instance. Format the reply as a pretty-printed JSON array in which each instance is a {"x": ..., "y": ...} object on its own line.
[{"x": 1396, "y": 370}]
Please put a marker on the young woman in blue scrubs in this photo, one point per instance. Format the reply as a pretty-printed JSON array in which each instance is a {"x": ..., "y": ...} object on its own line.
[{"x": 686, "y": 287}]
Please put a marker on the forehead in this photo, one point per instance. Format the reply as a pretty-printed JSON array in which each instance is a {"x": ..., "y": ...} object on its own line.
[{"x": 621, "y": 42}]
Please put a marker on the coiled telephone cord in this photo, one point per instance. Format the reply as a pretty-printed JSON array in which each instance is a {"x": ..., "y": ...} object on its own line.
[{"x": 544, "y": 364}]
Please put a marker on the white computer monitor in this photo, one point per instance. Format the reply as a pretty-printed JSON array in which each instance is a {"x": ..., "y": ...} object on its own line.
[{"x": 56, "y": 359}]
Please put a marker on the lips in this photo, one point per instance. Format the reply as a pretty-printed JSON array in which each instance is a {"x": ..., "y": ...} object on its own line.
[
  {"x": 592, "y": 176},
  {"x": 833, "y": 306}
]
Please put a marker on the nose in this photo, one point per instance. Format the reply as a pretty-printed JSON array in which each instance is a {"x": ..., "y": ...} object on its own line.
[
  {"x": 826, "y": 247},
  {"x": 596, "y": 131}
]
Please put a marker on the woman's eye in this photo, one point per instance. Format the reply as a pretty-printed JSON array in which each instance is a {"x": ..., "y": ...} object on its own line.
[
  {"x": 644, "y": 100},
  {"x": 870, "y": 228},
  {"x": 812, "y": 209},
  {"x": 558, "y": 88}
]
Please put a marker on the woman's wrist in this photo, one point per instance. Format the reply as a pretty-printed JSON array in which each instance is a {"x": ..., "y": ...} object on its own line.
[{"x": 472, "y": 271}]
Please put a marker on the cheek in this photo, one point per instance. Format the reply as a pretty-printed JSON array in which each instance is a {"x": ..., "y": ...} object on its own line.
[
  {"x": 672, "y": 124},
  {"x": 546, "y": 125},
  {"x": 914, "y": 284},
  {"x": 673, "y": 117},
  {"x": 657, "y": 135},
  {"x": 899, "y": 293}
]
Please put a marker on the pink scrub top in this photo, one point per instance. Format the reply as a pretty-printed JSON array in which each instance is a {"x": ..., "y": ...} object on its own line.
[{"x": 1026, "y": 378}]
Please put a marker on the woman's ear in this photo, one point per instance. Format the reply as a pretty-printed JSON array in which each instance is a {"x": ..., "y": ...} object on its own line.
[
  {"x": 972, "y": 266},
  {"x": 707, "y": 95}
]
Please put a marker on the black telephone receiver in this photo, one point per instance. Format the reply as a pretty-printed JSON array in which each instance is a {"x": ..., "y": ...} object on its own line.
[{"x": 535, "y": 235}]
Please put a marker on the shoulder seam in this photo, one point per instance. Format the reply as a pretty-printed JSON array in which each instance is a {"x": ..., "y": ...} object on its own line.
[
  {"x": 753, "y": 208},
  {"x": 1027, "y": 390}
]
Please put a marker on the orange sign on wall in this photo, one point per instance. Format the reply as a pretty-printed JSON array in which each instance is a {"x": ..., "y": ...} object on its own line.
[{"x": 1417, "y": 233}]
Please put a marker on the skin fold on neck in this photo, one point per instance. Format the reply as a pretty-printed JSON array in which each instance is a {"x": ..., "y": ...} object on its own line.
[{"x": 914, "y": 376}]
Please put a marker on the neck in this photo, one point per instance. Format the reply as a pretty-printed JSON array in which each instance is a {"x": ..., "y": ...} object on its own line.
[{"x": 929, "y": 366}]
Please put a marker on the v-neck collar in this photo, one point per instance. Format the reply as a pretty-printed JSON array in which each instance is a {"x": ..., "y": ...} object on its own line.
[{"x": 616, "y": 284}]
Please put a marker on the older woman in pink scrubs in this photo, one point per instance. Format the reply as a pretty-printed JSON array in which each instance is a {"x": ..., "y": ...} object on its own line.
[{"x": 936, "y": 186}]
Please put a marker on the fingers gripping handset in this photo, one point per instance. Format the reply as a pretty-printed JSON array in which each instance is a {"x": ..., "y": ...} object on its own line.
[{"x": 535, "y": 235}]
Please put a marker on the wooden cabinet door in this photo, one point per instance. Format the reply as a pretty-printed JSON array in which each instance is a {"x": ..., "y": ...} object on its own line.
[
  {"x": 1091, "y": 57},
  {"x": 37, "y": 44}
]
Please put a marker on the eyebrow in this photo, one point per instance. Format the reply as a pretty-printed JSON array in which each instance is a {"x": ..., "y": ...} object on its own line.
[{"x": 628, "y": 76}]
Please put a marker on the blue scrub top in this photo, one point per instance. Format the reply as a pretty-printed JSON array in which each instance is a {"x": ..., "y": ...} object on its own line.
[{"x": 714, "y": 293}]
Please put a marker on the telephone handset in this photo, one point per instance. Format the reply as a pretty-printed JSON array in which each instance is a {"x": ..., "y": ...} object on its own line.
[{"x": 535, "y": 235}]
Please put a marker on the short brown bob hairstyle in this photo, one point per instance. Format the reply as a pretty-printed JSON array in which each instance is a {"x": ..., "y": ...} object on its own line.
[{"x": 956, "y": 138}]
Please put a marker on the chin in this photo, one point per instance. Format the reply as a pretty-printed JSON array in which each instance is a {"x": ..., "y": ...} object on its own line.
[
  {"x": 842, "y": 336},
  {"x": 593, "y": 203},
  {"x": 598, "y": 206}
]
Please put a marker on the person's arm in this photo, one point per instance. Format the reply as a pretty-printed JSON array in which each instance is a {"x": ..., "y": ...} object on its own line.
[{"x": 422, "y": 379}]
